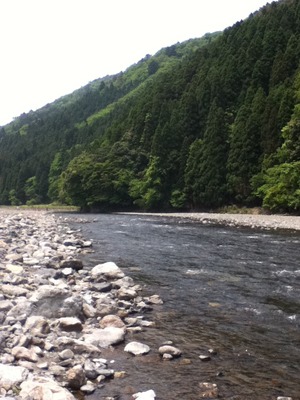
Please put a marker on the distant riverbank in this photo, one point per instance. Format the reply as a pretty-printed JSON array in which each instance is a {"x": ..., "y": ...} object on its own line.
[
  {"x": 259, "y": 221},
  {"x": 256, "y": 221}
]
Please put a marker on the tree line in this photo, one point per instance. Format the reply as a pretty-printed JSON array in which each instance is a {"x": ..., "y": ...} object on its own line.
[{"x": 200, "y": 125}]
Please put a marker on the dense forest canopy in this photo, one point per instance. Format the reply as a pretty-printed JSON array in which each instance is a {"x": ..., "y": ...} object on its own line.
[{"x": 201, "y": 124}]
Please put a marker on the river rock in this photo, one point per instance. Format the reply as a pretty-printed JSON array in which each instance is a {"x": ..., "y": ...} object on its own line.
[
  {"x": 22, "y": 307},
  {"x": 11, "y": 290},
  {"x": 167, "y": 349},
  {"x": 126, "y": 294},
  {"x": 44, "y": 389},
  {"x": 102, "y": 287},
  {"x": 75, "y": 377},
  {"x": 88, "y": 310},
  {"x": 5, "y": 305},
  {"x": 108, "y": 269},
  {"x": 14, "y": 257},
  {"x": 155, "y": 299},
  {"x": 12, "y": 375},
  {"x": 77, "y": 346},
  {"x": 70, "y": 324},
  {"x": 76, "y": 265},
  {"x": 15, "y": 269},
  {"x": 125, "y": 282},
  {"x": 204, "y": 357},
  {"x": 37, "y": 325},
  {"x": 111, "y": 320},
  {"x": 22, "y": 353},
  {"x": 90, "y": 369},
  {"x": 137, "y": 348},
  {"x": 209, "y": 390},
  {"x": 66, "y": 354},
  {"x": 284, "y": 398},
  {"x": 105, "y": 337},
  {"x": 53, "y": 302},
  {"x": 89, "y": 388},
  {"x": 148, "y": 395}
]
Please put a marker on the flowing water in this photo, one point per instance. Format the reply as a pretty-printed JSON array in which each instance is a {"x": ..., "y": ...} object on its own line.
[{"x": 234, "y": 290}]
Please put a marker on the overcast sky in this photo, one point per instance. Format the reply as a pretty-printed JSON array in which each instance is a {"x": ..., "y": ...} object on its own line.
[{"x": 51, "y": 47}]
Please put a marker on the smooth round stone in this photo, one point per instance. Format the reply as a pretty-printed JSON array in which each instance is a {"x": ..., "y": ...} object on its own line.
[{"x": 137, "y": 348}]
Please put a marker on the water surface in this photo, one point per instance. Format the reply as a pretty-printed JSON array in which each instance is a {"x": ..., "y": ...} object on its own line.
[{"x": 234, "y": 290}]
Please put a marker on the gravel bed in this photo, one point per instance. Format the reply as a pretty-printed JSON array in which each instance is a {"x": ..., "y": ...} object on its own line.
[{"x": 256, "y": 221}]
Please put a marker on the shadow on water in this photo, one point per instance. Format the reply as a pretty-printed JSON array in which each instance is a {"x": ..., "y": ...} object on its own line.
[{"x": 234, "y": 290}]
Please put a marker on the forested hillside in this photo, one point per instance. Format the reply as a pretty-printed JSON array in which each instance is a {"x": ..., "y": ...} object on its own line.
[{"x": 202, "y": 124}]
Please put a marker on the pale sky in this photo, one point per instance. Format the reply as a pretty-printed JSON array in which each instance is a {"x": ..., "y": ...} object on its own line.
[{"x": 49, "y": 48}]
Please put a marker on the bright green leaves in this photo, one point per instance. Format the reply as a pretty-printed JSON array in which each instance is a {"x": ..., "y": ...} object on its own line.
[
  {"x": 31, "y": 191},
  {"x": 281, "y": 191},
  {"x": 147, "y": 192}
]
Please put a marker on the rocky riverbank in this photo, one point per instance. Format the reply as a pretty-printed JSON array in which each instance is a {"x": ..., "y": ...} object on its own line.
[
  {"x": 255, "y": 221},
  {"x": 57, "y": 314}
]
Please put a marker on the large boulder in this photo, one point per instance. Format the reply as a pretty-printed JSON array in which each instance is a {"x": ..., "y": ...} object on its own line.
[
  {"x": 11, "y": 375},
  {"x": 109, "y": 270},
  {"x": 54, "y": 302},
  {"x": 105, "y": 337},
  {"x": 44, "y": 389}
]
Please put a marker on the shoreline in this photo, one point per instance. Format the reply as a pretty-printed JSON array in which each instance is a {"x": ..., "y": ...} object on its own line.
[
  {"x": 245, "y": 220},
  {"x": 59, "y": 316},
  {"x": 253, "y": 221}
]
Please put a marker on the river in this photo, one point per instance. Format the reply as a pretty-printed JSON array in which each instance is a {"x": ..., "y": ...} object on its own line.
[{"x": 234, "y": 290}]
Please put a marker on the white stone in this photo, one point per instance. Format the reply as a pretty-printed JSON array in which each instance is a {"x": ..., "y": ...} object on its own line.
[
  {"x": 108, "y": 269},
  {"x": 169, "y": 350},
  {"x": 148, "y": 395},
  {"x": 126, "y": 294},
  {"x": 5, "y": 305},
  {"x": 44, "y": 389},
  {"x": 105, "y": 337},
  {"x": 137, "y": 348},
  {"x": 15, "y": 269},
  {"x": 11, "y": 375}
]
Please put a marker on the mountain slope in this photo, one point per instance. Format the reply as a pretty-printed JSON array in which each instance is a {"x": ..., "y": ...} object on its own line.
[{"x": 199, "y": 125}]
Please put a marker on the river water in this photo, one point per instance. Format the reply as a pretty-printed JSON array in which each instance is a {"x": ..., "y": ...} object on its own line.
[{"x": 233, "y": 290}]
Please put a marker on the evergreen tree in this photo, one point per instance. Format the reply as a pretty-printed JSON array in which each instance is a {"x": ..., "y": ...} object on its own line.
[
  {"x": 245, "y": 146},
  {"x": 208, "y": 169}
]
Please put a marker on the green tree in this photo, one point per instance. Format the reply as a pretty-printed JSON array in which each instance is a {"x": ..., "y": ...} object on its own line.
[
  {"x": 245, "y": 152},
  {"x": 210, "y": 189},
  {"x": 14, "y": 201},
  {"x": 281, "y": 190},
  {"x": 31, "y": 191}
]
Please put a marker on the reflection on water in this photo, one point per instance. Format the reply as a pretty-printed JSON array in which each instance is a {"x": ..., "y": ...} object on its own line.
[{"x": 233, "y": 290}]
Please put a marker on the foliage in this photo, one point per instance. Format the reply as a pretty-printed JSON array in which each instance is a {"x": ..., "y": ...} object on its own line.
[
  {"x": 281, "y": 190},
  {"x": 201, "y": 124}
]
